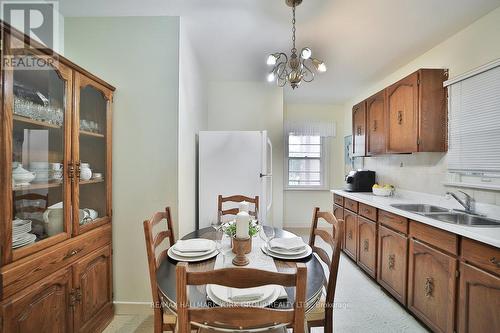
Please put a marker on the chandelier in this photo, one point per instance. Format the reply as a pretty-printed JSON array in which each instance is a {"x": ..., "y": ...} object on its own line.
[{"x": 296, "y": 68}]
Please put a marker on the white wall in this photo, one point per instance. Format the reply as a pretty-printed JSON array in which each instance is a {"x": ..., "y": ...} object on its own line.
[
  {"x": 298, "y": 204},
  {"x": 139, "y": 56},
  {"x": 192, "y": 119},
  {"x": 474, "y": 46},
  {"x": 250, "y": 106}
]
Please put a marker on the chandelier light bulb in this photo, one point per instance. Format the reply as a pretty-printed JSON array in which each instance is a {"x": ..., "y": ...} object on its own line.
[
  {"x": 319, "y": 65},
  {"x": 305, "y": 53},
  {"x": 271, "y": 77},
  {"x": 271, "y": 60}
]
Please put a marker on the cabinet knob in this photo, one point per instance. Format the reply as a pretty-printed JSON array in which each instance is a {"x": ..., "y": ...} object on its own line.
[
  {"x": 400, "y": 117},
  {"x": 365, "y": 245},
  {"x": 495, "y": 261},
  {"x": 349, "y": 234},
  {"x": 72, "y": 253},
  {"x": 391, "y": 261},
  {"x": 429, "y": 287},
  {"x": 374, "y": 125}
]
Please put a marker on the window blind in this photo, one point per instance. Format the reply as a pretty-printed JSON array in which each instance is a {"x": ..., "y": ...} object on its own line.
[{"x": 474, "y": 122}]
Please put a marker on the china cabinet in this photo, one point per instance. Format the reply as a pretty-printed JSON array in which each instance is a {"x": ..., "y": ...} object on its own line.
[{"x": 55, "y": 177}]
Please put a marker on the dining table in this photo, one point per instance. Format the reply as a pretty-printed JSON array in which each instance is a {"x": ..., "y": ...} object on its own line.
[{"x": 166, "y": 276}]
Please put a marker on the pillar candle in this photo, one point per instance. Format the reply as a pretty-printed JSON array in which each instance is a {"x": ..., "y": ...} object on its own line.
[
  {"x": 244, "y": 206},
  {"x": 242, "y": 219}
]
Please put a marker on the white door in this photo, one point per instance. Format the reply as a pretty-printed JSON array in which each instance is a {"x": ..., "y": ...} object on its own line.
[{"x": 229, "y": 163}]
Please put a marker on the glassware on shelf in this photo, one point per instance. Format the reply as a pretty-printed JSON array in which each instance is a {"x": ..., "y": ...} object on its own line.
[{"x": 45, "y": 113}]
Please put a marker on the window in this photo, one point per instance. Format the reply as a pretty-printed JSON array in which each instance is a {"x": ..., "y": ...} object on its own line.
[{"x": 306, "y": 162}]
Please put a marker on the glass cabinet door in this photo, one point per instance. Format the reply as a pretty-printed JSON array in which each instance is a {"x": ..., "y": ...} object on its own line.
[
  {"x": 38, "y": 102},
  {"x": 92, "y": 154}
]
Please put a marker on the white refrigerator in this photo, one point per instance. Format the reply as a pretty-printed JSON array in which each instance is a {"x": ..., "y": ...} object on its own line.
[{"x": 230, "y": 163}]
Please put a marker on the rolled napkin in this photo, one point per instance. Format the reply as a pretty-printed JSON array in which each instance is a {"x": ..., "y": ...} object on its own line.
[
  {"x": 194, "y": 245},
  {"x": 291, "y": 244}
]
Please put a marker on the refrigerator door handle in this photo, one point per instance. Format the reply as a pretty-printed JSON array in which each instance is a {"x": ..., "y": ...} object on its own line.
[
  {"x": 270, "y": 194},
  {"x": 270, "y": 162},
  {"x": 262, "y": 175}
]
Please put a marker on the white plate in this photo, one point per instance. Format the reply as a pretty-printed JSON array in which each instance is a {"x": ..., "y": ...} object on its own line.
[
  {"x": 174, "y": 256},
  {"x": 263, "y": 303},
  {"x": 306, "y": 254},
  {"x": 25, "y": 241},
  {"x": 20, "y": 223},
  {"x": 288, "y": 252},
  {"x": 20, "y": 231},
  {"x": 194, "y": 254},
  {"x": 221, "y": 292}
]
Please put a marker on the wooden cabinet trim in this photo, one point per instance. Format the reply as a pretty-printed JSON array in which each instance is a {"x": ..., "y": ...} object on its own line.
[
  {"x": 359, "y": 129},
  {"x": 376, "y": 123},
  {"x": 438, "y": 238}
]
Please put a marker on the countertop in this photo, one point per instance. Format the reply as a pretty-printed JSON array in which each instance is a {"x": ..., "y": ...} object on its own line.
[{"x": 486, "y": 235}]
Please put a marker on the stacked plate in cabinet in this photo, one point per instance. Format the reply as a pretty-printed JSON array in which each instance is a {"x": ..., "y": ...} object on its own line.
[{"x": 21, "y": 235}]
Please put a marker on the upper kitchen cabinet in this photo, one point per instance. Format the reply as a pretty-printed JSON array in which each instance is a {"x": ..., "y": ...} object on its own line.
[
  {"x": 407, "y": 117},
  {"x": 375, "y": 120},
  {"x": 416, "y": 113},
  {"x": 359, "y": 129}
]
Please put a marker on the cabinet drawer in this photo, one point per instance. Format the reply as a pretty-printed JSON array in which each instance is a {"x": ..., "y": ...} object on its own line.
[
  {"x": 338, "y": 199},
  {"x": 29, "y": 270},
  {"x": 393, "y": 221},
  {"x": 482, "y": 255},
  {"x": 436, "y": 237},
  {"x": 368, "y": 211},
  {"x": 351, "y": 205}
]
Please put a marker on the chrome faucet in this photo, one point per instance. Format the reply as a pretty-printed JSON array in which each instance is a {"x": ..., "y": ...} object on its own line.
[{"x": 468, "y": 204}]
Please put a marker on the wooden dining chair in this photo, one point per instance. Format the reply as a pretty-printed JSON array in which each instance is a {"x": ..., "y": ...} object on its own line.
[
  {"x": 322, "y": 314},
  {"x": 156, "y": 247},
  {"x": 241, "y": 317},
  {"x": 233, "y": 211}
]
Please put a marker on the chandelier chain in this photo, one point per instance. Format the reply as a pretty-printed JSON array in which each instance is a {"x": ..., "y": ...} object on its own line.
[{"x": 294, "y": 50}]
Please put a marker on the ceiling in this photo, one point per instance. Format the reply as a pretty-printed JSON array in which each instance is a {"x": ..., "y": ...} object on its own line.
[{"x": 360, "y": 41}]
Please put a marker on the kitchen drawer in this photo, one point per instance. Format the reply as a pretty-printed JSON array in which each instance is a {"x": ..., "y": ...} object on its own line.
[
  {"x": 368, "y": 211},
  {"x": 338, "y": 199},
  {"x": 396, "y": 222},
  {"x": 481, "y": 255},
  {"x": 29, "y": 270},
  {"x": 351, "y": 205},
  {"x": 436, "y": 237}
]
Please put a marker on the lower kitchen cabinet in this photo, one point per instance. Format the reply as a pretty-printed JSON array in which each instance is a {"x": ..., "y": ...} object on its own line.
[
  {"x": 479, "y": 302},
  {"x": 43, "y": 307},
  {"x": 77, "y": 298},
  {"x": 367, "y": 245},
  {"x": 92, "y": 277},
  {"x": 338, "y": 212},
  {"x": 351, "y": 231},
  {"x": 431, "y": 286},
  {"x": 392, "y": 262}
]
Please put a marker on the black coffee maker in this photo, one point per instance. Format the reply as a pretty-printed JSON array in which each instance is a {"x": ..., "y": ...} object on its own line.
[{"x": 359, "y": 181}]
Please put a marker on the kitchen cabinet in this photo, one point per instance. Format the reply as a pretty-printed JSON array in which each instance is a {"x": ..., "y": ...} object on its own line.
[
  {"x": 392, "y": 262},
  {"x": 359, "y": 129},
  {"x": 367, "y": 245},
  {"x": 92, "y": 282},
  {"x": 479, "y": 301},
  {"x": 406, "y": 117},
  {"x": 351, "y": 231},
  {"x": 375, "y": 123},
  {"x": 416, "y": 113},
  {"x": 338, "y": 212},
  {"x": 55, "y": 183},
  {"x": 42, "y": 307},
  {"x": 431, "y": 286}
]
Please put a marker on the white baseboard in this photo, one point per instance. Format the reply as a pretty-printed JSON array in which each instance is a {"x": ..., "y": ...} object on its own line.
[{"x": 131, "y": 308}]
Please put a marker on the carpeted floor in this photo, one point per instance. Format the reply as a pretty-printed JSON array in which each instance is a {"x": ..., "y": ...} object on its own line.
[{"x": 361, "y": 306}]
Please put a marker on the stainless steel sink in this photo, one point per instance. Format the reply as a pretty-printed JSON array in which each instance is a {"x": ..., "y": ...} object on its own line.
[
  {"x": 464, "y": 219},
  {"x": 420, "y": 208}
]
